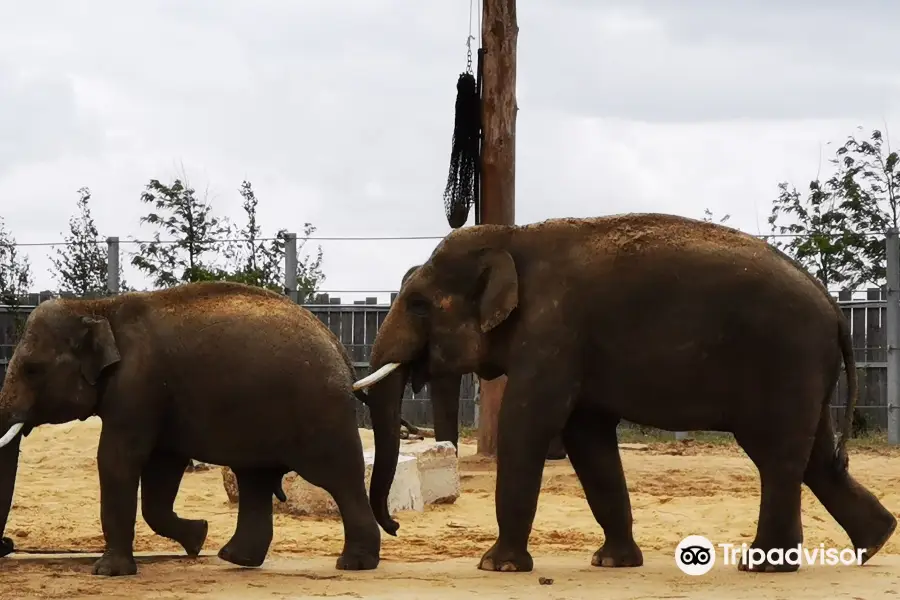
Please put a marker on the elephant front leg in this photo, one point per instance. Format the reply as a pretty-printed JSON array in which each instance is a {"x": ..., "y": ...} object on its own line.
[
  {"x": 120, "y": 458},
  {"x": 445, "y": 406},
  {"x": 592, "y": 444},
  {"x": 557, "y": 449},
  {"x": 526, "y": 424},
  {"x": 160, "y": 480},
  {"x": 253, "y": 535},
  {"x": 9, "y": 462}
]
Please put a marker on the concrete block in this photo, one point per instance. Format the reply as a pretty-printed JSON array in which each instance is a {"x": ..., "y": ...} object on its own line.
[
  {"x": 406, "y": 491},
  {"x": 438, "y": 468},
  {"x": 303, "y": 498}
]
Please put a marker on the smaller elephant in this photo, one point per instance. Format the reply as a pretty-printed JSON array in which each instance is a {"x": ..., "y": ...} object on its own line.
[
  {"x": 162, "y": 372},
  {"x": 445, "y": 405}
]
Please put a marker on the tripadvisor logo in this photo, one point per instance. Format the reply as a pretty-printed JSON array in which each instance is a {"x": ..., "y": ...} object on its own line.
[
  {"x": 695, "y": 555},
  {"x": 797, "y": 555}
]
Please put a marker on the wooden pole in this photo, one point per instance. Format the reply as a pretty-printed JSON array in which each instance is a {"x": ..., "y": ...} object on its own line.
[{"x": 499, "y": 32}]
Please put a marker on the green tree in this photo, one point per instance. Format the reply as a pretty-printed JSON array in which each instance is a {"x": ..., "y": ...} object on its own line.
[
  {"x": 868, "y": 181},
  {"x": 840, "y": 226},
  {"x": 192, "y": 231},
  {"x": 823, "y": 234},
  {"x": 15, "y": 270},
  {"x": 15, "y": 283},
  {"x": 260, "y": 262},
  {"x": 80, "y": 267},
  {"x": 708, "y": 217}
]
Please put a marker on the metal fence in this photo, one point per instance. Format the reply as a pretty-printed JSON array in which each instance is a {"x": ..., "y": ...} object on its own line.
[
  {"x": 357, "y": 324},
  {"x": 354, "y": 324},
  {"x": 874, "y": 321}
]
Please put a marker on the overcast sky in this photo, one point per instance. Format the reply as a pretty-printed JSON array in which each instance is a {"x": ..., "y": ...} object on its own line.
[{"x": 341, "y": 113}]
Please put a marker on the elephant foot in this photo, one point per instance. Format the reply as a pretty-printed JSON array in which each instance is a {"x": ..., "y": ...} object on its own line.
[
  {"x": 556, "y": 451},
  {"x": 870, "y": 549},
  {"x": 622, "y": 555},
  {"x": 357, "y": 560},
  {"x": 241, "y": 557},
  {"x": 764, "y": 565},
  {"x": 115, "y": 565},
  {"x": 194, "y": 536},
  {"x": 6, "y": 547},
  {"x": 497, "y": 559}
]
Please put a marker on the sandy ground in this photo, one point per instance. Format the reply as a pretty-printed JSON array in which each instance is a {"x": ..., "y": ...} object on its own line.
[{"x": 677, "y": 489}]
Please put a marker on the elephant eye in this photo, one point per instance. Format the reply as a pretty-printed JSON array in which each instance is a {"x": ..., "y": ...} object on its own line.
[
  {"x": 418, "y": 305},
  {"x": 32, "y": 368}
]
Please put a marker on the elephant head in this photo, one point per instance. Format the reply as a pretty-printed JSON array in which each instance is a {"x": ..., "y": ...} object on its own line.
[
  {"x": 444, "y": 397},
  {"x": 445, "y": 322},
  {"x": 53, "y": 374},
  {"x": 52, "y": 378},
  {"x": 448, "y": 311}
]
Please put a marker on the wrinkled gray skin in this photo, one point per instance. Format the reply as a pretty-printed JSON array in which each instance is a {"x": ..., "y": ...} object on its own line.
[{"x": 445, "y": 405}]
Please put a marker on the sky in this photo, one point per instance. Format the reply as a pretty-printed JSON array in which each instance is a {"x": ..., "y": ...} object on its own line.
[{"x": 340, "y": 113}]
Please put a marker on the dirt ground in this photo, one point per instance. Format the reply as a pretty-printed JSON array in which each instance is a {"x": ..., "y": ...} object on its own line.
[{"x": 677, "y": 489}]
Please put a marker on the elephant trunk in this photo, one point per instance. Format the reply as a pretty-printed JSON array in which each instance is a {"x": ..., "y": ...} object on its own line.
[
  {"x": 397, "y": 347},
  {"x": 385, "y": 398},
  {"x": 9, "y": 463}
]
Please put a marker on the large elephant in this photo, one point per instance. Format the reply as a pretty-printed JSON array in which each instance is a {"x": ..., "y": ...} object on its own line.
[
  {"x": 225, "y": 373},
  {"x": 657, "y": 319},
  {"x": 445, "y": 405}
]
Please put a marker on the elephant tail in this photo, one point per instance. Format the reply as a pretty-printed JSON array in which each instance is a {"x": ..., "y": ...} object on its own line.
[{"x": 841, "y": 459}]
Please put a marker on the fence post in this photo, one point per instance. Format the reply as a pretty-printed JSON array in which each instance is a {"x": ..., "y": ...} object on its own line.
[
  {"x": 892, "y": 250},
  {"x": 290, "y": 265},
  {"x": 112, "y": 264},
  {"x": 476, "y": 381}
]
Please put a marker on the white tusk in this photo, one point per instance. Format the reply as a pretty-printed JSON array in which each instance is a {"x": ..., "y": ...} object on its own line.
[
  {"x": 12, "y": 433},
  {"x": 375, "y": 377}
]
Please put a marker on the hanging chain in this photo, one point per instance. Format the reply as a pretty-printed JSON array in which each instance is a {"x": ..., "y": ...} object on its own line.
[{"x": 469, "y": 41}]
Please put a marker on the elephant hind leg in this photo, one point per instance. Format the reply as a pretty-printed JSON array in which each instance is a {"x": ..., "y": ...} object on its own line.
[
  {"x": 868, "y": 523},
  {"x": 160, "y": 480},
  {"x": 780, "y": 449},
  {"x": 253, "y": 535},
  {"x": 335, "y": 464},
  {"x": 592, "y": 445}
]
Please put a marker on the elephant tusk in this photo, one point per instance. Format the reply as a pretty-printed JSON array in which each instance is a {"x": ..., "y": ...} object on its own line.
[
  {"x": 12, "y": 433},
  {"x": 375, "y": 377}
]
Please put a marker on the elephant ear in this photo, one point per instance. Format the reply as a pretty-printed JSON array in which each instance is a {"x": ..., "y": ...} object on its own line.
[
  {"x": 98, "y": 348},
  {"x": 409, "y": 274},
  {"x": 499, "y": 284}
]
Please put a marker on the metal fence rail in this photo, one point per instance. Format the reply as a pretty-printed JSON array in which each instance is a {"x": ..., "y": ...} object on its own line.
[{"x": 874, "y": 321}]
